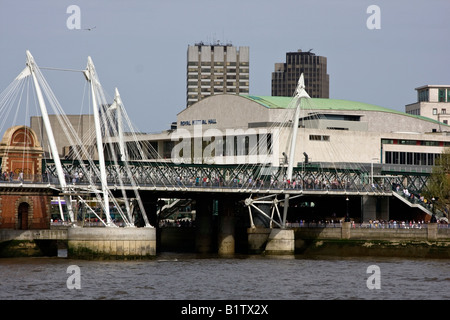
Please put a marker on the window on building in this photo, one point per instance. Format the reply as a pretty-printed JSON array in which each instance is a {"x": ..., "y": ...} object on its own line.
[
  {"x": 416, "y": 158},
  {"x": 409, "y": 158},
  {"x": 388, "y": 157},
  {"x": 434, "y": 111},
  {"x": 430, "y": 143},
  {"x": 423, "y": 95},
  {"x": 408, "y": 142},
  {"x": 402, "y": 157},
  {"x": 430, "y": 159},
  {"x": 441, "y": 96},
  {"x": 423, "y": 159},
  {"x": 443, "y": 111},
  {"x": 314, "y": 137},
  {"x": 446, "y": 121},
  {"x": 395, "y": 157}
]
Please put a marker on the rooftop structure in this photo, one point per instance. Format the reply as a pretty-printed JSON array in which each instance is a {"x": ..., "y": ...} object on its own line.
[{"x": 433, "y": 101}]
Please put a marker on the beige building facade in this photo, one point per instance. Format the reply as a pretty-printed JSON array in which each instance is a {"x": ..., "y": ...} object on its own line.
[
  {"x": 83, "y": 126},
  {"x": 216, "y": 69},
  {"x": 238, "y": 129}
]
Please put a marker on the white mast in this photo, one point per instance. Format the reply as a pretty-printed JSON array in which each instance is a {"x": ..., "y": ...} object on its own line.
[
  {"x": 300, "y": 93},
  {"x": 54, "y": 150},
  {"x": 117, "y": 105},
  {"x": 92, "y": 78}
]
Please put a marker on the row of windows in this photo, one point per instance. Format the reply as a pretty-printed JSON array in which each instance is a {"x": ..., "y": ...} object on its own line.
[
  {"x": 414, "y": 112},
  {"x": 232, "y": 146},
  {"x": 208, "y": 77},
  {"x": 443, "y": 111},
  {"x": 410, "y": 158},
  {"x": 416, "y": 142},
  {"x": 218, "y": 83},
  {"x": 205, "y": 87},
  {"x": 215, "y": 70},
  {"x": 206, "y": 91},
  {"x": 217, "y": 63}
]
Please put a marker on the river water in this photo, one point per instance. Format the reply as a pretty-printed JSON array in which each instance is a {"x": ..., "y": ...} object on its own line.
[{"x": 184, "y": 276}]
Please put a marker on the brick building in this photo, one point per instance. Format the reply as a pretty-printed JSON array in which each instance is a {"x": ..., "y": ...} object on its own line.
[{"x": 21, "y": 206}]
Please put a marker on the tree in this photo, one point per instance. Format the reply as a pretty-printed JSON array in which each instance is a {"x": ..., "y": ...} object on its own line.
[{"x": 438, "y": 186}]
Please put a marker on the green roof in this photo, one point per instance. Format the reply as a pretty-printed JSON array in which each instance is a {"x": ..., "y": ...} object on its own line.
[{"x": 327, "y": 104}]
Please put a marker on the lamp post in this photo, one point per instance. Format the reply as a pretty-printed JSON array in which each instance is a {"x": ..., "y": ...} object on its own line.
[
  {"x": 371, "y": 170},
  {"x": 433, "y": 215},
  {"x": 347, "y": 216}
]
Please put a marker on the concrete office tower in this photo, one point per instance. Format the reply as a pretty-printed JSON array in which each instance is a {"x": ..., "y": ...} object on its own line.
[
  {"x": 433, "y": 101},
  {"x": 216, "y": 69},
  {"x": 314, "y": 68}
]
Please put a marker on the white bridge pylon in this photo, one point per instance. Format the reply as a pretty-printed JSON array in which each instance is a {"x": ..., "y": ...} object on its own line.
[
  {"x": 31, "y": 70},
  {"x": 300, "y": 93},
  {"x": 90, "y": 172}
]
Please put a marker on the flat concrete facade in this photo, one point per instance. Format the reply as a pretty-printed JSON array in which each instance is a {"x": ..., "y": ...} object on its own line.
[{"x": 83, "y": 124}]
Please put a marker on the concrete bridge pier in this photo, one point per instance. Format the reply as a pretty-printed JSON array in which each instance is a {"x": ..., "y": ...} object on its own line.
[
  {"x": 204, "y": 226},
  {"x": 374, "y": 208},
  {"x": 273, "y": 241},
  {"x": 226, "y": 227},
  {"x": 111, "y": 243}
]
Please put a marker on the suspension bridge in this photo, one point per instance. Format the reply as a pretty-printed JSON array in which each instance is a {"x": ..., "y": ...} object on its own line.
[{"x": 123, "y": 175}]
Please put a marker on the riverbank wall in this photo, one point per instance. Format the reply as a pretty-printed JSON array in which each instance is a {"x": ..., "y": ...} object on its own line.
[
  {"x": 431, "y": 241},
  {"x": 81, "y": 243}
]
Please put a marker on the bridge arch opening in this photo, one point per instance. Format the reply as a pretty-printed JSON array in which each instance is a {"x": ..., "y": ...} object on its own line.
[{"x": 23, "y": 215}]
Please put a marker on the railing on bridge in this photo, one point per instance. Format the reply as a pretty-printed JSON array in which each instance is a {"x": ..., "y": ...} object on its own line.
[{"x": 255, "y": 177}]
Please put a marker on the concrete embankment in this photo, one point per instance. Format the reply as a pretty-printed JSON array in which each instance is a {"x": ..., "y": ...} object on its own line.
[
  {"x": 429, "y": 242},
  {"x": 345, "y": 240},
  {"x": 83, "y": 243}
]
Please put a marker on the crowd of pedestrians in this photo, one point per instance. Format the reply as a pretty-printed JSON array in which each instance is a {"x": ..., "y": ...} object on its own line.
[{"x": 375, "y": 224}]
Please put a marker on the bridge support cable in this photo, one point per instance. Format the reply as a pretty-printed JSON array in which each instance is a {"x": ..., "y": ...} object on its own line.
[
  {"x": 92, "y": 78},
  {"x": 114, "y": 126},
  {"x": 91, "y": 210},
  {"x": 32, "y": 67}
]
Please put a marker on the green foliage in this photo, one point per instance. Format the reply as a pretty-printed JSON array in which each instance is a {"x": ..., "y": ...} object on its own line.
[{"x": 439, "y": 183}]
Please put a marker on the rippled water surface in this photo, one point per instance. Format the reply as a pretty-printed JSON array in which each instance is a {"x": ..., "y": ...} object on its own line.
[{"x": 189, "y": 276}]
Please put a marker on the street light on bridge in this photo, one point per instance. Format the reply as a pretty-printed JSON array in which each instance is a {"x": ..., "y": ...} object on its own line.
[
  {"x": 371, "y": 170},
  {"x": 347, "y": 216}
]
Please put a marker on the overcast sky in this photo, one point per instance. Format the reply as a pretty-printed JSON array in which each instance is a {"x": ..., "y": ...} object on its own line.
[{"x": 140, "y": 47}]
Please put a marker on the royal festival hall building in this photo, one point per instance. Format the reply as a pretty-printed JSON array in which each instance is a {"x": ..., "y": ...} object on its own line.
[
  {"x": 330, "y": 131},
  {"x": 246, "y": 130}
]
